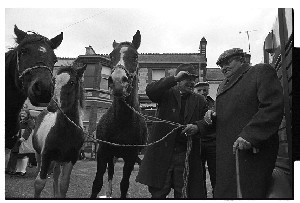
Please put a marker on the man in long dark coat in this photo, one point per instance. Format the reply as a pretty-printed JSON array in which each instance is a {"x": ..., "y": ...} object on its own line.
[
  {"x": 249, "y": 110},
  {"x": 163, "y": 163}
]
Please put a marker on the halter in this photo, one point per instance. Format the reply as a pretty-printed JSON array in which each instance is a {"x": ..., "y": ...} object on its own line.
[
  {"x": 28, "y": 70},
  {"x": 130, "y": 75}
]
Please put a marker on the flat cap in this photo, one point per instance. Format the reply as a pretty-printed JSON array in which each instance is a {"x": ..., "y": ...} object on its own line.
[
  {"x": 201, "y": 84},
  {"x": 187, "y": 67},
  {"x": 228, "y": 54}
]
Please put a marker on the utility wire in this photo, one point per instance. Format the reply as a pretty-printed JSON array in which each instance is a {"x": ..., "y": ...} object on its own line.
[{"x": 64, "y": 28}]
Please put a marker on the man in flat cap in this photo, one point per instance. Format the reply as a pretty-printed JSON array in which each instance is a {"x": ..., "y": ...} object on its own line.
[
  {"x": 163, "y": 163},
  {"x": 249, "y": 110}
]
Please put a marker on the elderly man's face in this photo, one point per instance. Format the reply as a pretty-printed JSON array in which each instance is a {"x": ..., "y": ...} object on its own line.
[
  {"x": 187, "y": 85},
  {"x": 229, "y": 67}
]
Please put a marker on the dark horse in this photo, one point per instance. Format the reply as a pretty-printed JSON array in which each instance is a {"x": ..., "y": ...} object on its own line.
[
  {"x": 28, "y": 73},
  {"x": 58, "y": 135},
  {"x": 120, "y": 124}
]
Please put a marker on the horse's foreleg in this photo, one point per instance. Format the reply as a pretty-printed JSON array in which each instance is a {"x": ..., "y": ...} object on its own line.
[
  {"x": 110, "y": 172},
  {"x": 98, "y": 181},
  {"x": 56, "y": 173},
  {"x": 127, "y": 169},
  {"x": 40, "y": 181},
  {"x": 65, "y": 179},
  {"x": 38, "y": 161}
]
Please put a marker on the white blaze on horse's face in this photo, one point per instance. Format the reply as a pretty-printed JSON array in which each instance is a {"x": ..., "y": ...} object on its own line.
[
  {"x": 122, "y": 53},
  {"x": 42, "y": 49},
  {"x": 60, "y": 81}
]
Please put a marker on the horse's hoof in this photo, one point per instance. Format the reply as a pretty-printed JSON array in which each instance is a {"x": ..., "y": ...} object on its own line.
[{"x": 104, "y": 196}]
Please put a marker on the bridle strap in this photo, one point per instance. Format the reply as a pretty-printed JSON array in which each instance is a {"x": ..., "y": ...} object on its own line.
[{"x": 28, "y": 70}]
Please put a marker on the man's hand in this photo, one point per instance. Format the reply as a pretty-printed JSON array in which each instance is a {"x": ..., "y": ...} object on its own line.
[
  {"x": 208, "y": 116},
  {"x": 182, "y": 75},
  {"x": 190, "y": 129},
  {"x": 241, "y": 144}
]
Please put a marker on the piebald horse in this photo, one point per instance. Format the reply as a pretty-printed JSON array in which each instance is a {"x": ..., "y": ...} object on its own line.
[
  {"x": 28, "y": 73},
  {"x": 120, "y": 124},
  {"x": 58, "y": 135}
]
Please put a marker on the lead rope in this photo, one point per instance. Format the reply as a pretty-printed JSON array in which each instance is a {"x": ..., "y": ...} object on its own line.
[
  {"x": 186, "y": 168},
  {"x": 189, "y": 142}
]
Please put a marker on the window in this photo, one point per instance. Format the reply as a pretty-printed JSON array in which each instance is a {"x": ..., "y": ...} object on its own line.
[
  {"x": 105, "y": 73},
  {"x": 157, "y": 74},
  {"x": 89, "y": 76}
]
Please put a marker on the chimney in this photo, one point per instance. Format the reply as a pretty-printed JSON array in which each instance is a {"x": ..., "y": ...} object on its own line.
[{"x": 90, "y": 50}]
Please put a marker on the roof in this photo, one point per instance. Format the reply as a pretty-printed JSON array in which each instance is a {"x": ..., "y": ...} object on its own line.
[
  {"x": 64, "y": 61},
  {"x": 214, "y": 74},
  {"x": 171, "y": 58}
]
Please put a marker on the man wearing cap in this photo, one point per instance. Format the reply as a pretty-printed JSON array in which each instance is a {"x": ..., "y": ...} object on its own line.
[
  {"x": 208, "y": 140},
  {"x": 249, "y": 110},
  {"x": 164, "y": 162}
]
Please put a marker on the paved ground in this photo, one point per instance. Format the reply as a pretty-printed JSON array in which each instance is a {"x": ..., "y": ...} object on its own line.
[{"x": 80, "y": 185}]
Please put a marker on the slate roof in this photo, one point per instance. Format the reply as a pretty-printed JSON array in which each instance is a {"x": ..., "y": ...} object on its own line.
[
  {"x": 64, "y": 61},
  {"x": 171, "y": 58}
]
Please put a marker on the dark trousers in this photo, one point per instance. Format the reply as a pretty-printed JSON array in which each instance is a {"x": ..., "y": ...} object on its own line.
[
  {"x": 173, "y": 179},
  {"x": 12, "y": 162},
  {"x": 208, "y": 154}
]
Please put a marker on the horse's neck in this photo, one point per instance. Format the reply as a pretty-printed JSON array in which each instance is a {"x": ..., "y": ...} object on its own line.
[
  {"x": 74, "y": 112},
  {"x": 11, "y": 75}
]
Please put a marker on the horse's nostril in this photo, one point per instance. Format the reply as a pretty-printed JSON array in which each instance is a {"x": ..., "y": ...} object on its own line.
[
  {"x": 124, "y": 79},
  {"x": 37, "y": 88}
]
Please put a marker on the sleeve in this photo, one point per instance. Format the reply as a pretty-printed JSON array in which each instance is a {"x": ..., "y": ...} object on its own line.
[
  {"x": 203, "y": 126},
  {"x": 266, "y": 121},
  {"x": 28, "y": 129},
  {"x": 155, "y": 90}
]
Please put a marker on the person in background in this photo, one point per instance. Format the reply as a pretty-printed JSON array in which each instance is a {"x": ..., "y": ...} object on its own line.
[
  {"x": 208, "y": 141},
  {"x": 163, "y": 164},
  {"x": 249, "y": 110},
  {"x": 26, "y": 127}
]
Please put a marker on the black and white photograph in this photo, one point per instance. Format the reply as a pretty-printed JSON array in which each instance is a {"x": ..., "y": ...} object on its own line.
[{"x": 150, "y": 100}]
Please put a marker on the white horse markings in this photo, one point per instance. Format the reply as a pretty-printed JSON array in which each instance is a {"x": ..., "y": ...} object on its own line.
[
  {"x": 45, "y": 127},
  {"x": 60, "y": 81},
  {"x": 122, "y": 51},
  {"x": 42, "y": 49}
]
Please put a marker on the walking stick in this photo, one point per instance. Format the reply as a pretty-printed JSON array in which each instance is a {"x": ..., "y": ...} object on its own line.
[{"x": 237, "y": 167}]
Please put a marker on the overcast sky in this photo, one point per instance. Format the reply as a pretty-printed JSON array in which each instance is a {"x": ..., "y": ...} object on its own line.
[{"x": 163, "y": 30}]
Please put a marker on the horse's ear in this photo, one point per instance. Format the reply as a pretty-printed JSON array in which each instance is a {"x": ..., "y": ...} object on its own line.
[
  {"x": 81, "y": 70},
  {"x": 55, "y": 42},
  {"x": 115, "y": 44},
  {"x": 20, "y": 34},
  {"x": 136, "y": 41}
]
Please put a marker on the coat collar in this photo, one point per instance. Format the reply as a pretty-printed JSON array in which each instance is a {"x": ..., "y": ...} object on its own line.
[
  {"x": 189, "y": 106},
  {"x": 233, "y": 80}
]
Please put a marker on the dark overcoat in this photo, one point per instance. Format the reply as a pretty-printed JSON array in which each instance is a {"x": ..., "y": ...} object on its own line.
[
  {"x": 157, "y": 157},
  {"x": 250, "y": 106}
]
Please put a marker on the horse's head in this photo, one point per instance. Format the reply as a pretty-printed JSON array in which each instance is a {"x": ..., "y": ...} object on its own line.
[
  {"x": 35, "y": 62},
  {"x": 124, "y": 60},
  {"x": 68, "y": 88}
]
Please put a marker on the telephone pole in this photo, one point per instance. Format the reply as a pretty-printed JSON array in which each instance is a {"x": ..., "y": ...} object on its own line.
[{"x": 248, "y": 36}]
